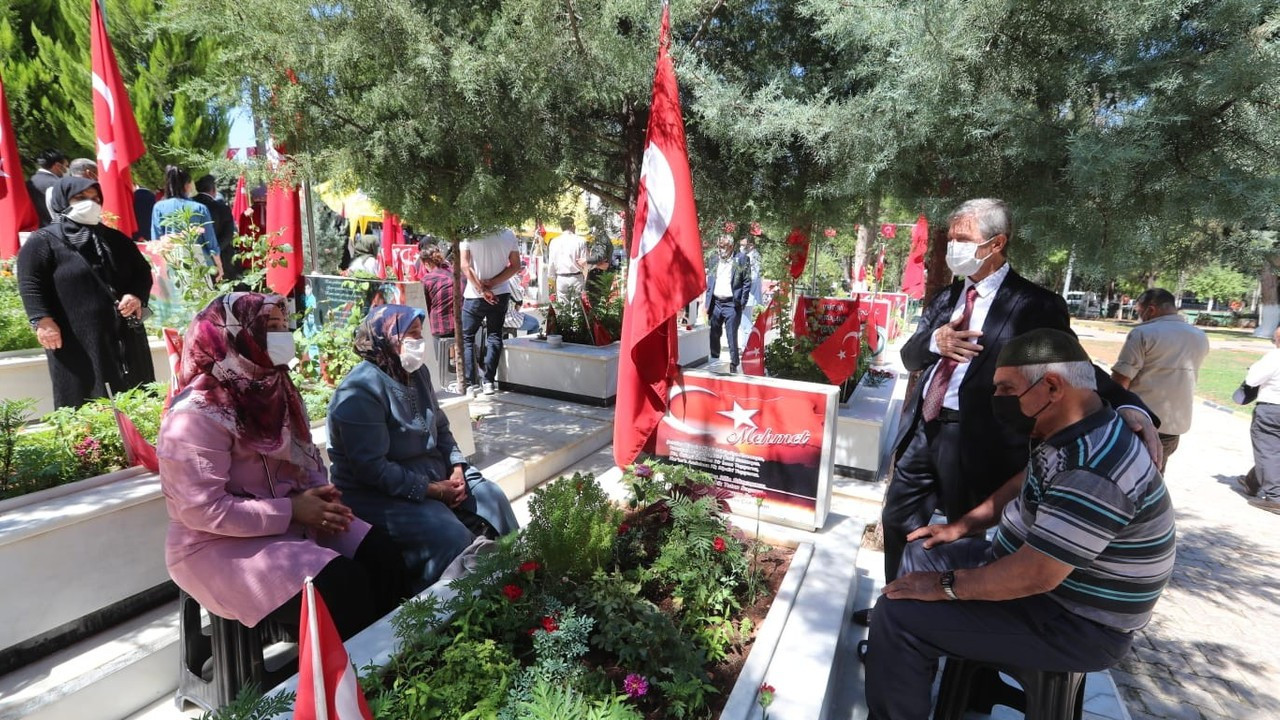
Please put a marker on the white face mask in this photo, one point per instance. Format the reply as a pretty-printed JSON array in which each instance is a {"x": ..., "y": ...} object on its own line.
[
  {"x": 962, "y": 257},
  {"x": 280, "y": 348},
  {"x": 413, "y": 353},
  {"x": 84, "y": 212}
]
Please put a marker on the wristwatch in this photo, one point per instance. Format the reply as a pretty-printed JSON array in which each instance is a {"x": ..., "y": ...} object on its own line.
[{"x": 948, "y": 581}]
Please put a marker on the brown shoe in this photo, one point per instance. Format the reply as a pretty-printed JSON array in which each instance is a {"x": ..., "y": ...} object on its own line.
[{"x": 1266, "y": 504}]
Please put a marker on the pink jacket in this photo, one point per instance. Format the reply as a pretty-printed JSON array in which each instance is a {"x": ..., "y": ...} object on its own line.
[{"x": 231, "y": 543}]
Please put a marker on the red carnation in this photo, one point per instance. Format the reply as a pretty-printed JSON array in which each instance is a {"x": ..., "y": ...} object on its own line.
[
  {"x": 529, "y": 566},
  {"x": 718, "y": 544},
  {"x": 513, "y": 592},
  {"x": 549, "y": 624},
  {"x": 623, "y": 529}
]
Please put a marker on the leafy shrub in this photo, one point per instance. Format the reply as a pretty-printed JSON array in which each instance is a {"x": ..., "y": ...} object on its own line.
[
  {"x": 548, "y": 701},
  {"x": 572, "y": 527},
  {"x": 15, "y": 332},
  {"x": 469, "y": 683}
]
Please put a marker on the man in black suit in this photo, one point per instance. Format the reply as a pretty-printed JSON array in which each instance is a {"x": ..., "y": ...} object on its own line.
[
  {"x": 951, "y": 452},
  {"x": 50, "y": 166},
  {"x": 728, "y": 285},
  {"x": 224, "y": 226}
]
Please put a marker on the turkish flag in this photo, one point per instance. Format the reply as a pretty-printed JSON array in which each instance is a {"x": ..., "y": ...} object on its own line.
[
  {"x": 889, "y": 230},
  {"x": 16, "y": 211},
  {"x": 119, "y": 142},
  {"x": 913, "y": 273},
  {"x": 392, "y": 235},
  {"x": 284, "y": 226},
  {"x": 837, "y": 356},
  {"x": 136, "y": 448},
  {"x": 753, "y": 355},
  {"x": 242, "y": 208},
  {"x": 798, "y": 251},
  {"x": 328, "y": 688},
  {"x": 880, "y": 267},
  {"x": 665, "y": 272}
]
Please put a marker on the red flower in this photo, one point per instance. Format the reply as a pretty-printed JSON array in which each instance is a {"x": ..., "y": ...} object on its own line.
[
  {"x": 549, "y": 624},
  {"x": 755, "y": 229},
  {"x": 730, "y": 227},
  {"x": 529, "y": 566},
  {"x": 623, "y": 529},
  {"x": 513, "y": 592},
  {"x": 829, "y": 232},
  {"x": 718, "y": 544}
]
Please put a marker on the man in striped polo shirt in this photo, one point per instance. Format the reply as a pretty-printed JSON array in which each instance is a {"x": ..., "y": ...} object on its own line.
[{"x": 1084, "y": 547}]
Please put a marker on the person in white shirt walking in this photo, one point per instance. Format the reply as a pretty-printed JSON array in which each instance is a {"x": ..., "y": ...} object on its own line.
[
  {"x": 1265, "y": 430},
  {"x": 567, "y": 258},
  {"x": 488, "y": 263}
]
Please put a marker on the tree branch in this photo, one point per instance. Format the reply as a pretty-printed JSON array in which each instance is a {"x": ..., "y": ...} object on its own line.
[
  {"x": 573, "y": 25},
  {"x": 592, "y": 187},
  {"x": 705, "y": 22}
]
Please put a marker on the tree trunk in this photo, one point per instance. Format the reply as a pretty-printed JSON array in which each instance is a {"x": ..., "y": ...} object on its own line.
[
  {"x": 1269, "y": 307},
  {"x": 632, "y": 165},
  {"x": 460, "y": 377},
  {"x": 937, "y": 274},
  {"x": 868, "y": 221}
]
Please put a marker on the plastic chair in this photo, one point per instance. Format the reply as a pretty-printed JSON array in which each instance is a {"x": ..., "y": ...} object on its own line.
[{"x": 215, "y": 666}]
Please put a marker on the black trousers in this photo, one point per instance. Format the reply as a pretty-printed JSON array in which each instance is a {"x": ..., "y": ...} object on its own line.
[
  {"x": 356, "y": 590},
  {"x": 722, "y": 313},
  {"x": 926, "y": 477},
  {"x": 1265, "y": 434},
  {"x": 908, "y": 636}
]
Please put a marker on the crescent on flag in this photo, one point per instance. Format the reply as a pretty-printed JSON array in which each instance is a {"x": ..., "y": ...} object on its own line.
[
  {"x": 100, "y": 87},
  {"x": 681, "y": 425},
  {"x": 660, "y": 186}
]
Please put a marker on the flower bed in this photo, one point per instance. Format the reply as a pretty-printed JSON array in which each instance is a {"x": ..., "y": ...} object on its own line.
[{"x": 591, "y": 612}]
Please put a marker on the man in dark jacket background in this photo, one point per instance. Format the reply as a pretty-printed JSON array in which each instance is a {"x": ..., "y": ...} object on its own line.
[
  {"x": 224, "y": 226},
  {"x": 728, "y": 285},
  {"x": 50, "y": 165}
]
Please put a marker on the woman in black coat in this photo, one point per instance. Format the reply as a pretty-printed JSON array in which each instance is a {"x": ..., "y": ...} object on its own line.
[{"x": 84, "y": 286}]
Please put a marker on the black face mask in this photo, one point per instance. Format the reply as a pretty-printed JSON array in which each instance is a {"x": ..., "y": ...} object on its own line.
[{"x": 1008, "y": 411}]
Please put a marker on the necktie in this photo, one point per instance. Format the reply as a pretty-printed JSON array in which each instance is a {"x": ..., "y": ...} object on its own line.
[{"x": 946, "y": 366}]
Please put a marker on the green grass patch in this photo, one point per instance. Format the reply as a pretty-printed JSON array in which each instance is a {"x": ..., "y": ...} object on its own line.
[{"x": 1222, "y": 372}]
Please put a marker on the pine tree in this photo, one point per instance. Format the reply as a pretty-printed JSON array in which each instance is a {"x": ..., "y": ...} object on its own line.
[{"x": 44, "y": 58}]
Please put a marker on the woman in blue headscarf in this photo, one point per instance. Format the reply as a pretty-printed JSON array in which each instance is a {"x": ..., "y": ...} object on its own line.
[{"x": 395, "y": 459}]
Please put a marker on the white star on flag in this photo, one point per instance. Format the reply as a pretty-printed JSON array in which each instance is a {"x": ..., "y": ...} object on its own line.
[
  {"x": 106, "y": 154},
  {"x": 841, "y": 355},
  {"x": 740, "y": 416}
]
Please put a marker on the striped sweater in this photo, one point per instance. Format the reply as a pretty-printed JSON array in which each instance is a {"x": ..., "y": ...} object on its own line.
[{"x": 1094, "y": 500}]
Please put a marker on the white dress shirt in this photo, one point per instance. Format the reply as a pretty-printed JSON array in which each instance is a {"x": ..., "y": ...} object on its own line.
[
  {"x": 723, "y": 287},
  {"x": 1265, "y": 375},
  {"x": 987, "y": 288}
]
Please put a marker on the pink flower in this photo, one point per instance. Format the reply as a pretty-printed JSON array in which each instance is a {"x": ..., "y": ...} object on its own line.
[
  {"x": 759, "y": 496},
  {"x": 755, "y": 228},
  {"x": 730, "y": 227},
  {"x": 829, "y": 232},
  {"x": 718, "y": 544},
  {"x": 643, "y": 470},
  {"x": 513, "y": 592},
  {"x": 530, "y": 566},
  {"x": 766, "y": 695},
  {"x": 635, "y": 685}
]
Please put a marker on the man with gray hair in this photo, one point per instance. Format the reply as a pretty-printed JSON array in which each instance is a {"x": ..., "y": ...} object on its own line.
[
  {"x": 83, "y": 167},
  {"x": 950, "y": 452},
  {"x": 1160, "y": 361},
  {"x": 1084, "y": 548}
]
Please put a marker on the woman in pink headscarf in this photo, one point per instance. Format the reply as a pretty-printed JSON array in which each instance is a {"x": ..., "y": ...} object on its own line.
[{"x": 252, "y": 513}]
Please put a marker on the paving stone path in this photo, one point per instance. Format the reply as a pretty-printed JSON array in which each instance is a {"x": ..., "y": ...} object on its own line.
[{"x": 1213, "y": 648}]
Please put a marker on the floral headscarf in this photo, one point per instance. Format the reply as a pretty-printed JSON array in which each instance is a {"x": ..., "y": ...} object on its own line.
[
  {"x": 378, "y": 338},
  {"x": 227, "y": 373}
]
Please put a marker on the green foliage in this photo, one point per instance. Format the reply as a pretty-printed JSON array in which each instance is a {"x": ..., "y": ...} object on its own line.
[
  {"x": 571, "y": 320},
  {"x": 74, "y": 443},
  {"x": 572, "y": 527},
  {"x": 557, "y": 658},
  {"x": 548, "y": 701},
  {"x": 15, "y": 331},
  {"x": 469, "y": 683},
  {"x": 250, "y": 704},
  {"x": 788, "y": 356},
  {"x": 1220, "y": 284},
  {"x": 44, "y": 60}
]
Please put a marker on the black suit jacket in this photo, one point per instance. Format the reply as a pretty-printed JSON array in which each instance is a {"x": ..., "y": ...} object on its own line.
[
  {"x": 739, "y": 279},
  {"x": 990, "y": 452},
  {"x": 37, "y": 185},
  {"x": 224, "y": 228}
]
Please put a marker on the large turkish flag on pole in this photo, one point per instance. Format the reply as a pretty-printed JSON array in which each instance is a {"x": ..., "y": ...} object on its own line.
[
  {"x": 16, "y": 211},
  {"x": 913, "y": 272},
  {"x": 284, "y": 226},
  {"x": 665, "y": 273},
  {"x": 119, "y": 142}
]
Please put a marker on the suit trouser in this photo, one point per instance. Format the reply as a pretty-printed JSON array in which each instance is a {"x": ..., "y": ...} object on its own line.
[
  {"x": 908, "y": 636},
  {"x": 722, "y": 313},
  {"x": 927, "y": 476},
  {"x": 1264, "y": 431}
]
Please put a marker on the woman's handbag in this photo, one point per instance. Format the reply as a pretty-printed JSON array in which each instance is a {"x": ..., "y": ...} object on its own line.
[{"x": 1245, "y": 394}]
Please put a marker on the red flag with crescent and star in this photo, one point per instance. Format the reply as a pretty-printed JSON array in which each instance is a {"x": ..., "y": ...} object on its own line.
[
  {"x": 17, "y": 213},
  {"x": 666, "y": 271},
  {"x": 913, "y": 273},
  {"x": 753, "y": 354},
  {"x": 837, "y": 356},
  {"x": 119, "y": 142}
]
